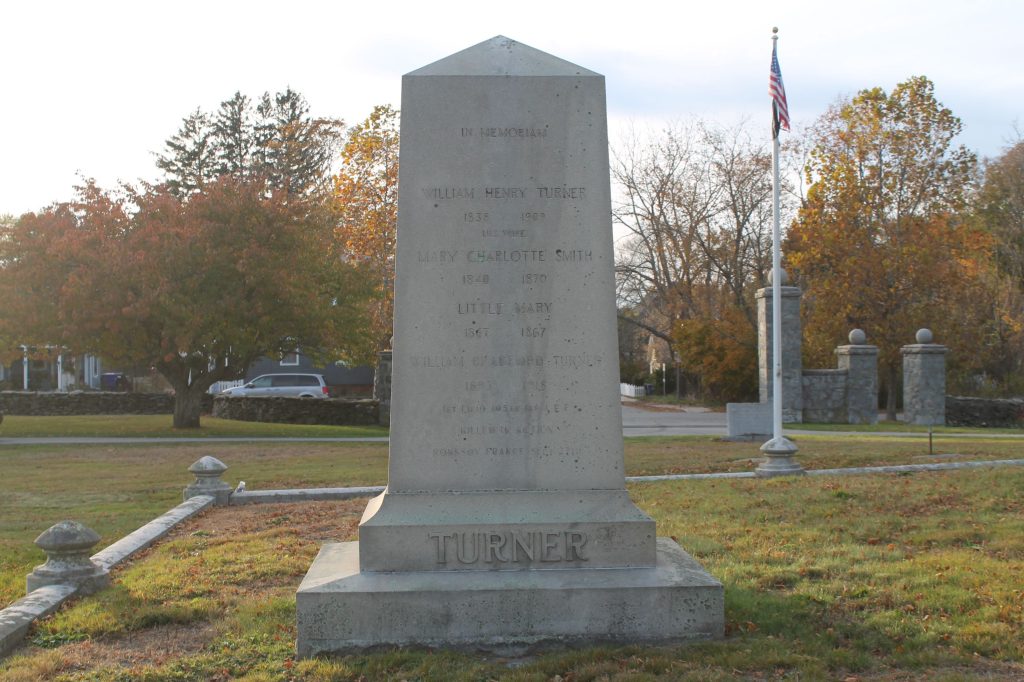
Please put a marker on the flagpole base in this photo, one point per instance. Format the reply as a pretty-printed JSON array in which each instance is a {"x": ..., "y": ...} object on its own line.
[{"x": 780, "y": 461}]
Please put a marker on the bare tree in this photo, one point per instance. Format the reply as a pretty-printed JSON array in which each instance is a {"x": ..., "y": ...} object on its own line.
[{"x": 696, "y": 202}]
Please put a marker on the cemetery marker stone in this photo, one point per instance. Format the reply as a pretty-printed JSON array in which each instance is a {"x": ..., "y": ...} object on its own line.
[{"x": 506, "y": 520}]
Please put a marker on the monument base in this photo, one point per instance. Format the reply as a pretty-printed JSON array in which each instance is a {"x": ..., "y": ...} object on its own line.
[{"x": 340, "y": 609}]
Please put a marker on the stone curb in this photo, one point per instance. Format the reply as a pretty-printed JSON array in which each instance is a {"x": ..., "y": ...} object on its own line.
[
  {"x": 151, "y": 532},
  {"x": 311, "y": 494},
  {"x": 851, "y": 471},
  {"x": 898, "y": 468},
  {"x": 689, "y": 477},
  {"x": 301, "y": 495},
  {"x": 16, "y": 619}
]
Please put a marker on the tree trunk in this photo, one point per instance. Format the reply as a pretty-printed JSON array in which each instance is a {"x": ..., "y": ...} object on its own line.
[
  {"x": 188, "y": 404},
  {"x": 890, "y": 394}
]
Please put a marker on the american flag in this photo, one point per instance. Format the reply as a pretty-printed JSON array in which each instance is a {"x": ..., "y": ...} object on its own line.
[{"x": 777, "y": 91}]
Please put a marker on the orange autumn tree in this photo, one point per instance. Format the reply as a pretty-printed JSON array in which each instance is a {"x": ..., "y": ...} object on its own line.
[
  {"x": 366, "y": 197},
  {"x": 197, "y": 287},
  {"x": 881, "y": 242}
]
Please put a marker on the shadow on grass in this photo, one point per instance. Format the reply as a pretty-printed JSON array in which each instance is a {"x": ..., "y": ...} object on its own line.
[{"x": 784, "y": 630}]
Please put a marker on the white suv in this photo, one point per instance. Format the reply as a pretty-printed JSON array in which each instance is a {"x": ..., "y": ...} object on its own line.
[{"x": 282, "y": 385}]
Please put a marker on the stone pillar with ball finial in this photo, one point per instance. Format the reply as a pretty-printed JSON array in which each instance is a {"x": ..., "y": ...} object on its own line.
[
  {"x": 924, "y": 381},
  {"x": 792, "y": 367},
  {"x": 860, "y": 360}
]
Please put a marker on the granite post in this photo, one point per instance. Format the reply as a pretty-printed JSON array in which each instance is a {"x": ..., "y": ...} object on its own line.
[
  {"x": 382, "y": 385},
  {"x": 924, "y": 381},
  {"x": 68, "y": 545},
  {"x": 792, "y": 380},
  {"x": 860, "y": 360},
  {"x": 506, "y": 521},
  {"x": 208, "y": 471}
]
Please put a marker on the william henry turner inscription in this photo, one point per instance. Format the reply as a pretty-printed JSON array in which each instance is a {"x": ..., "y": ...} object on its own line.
[{"x": 505, "y": 479}]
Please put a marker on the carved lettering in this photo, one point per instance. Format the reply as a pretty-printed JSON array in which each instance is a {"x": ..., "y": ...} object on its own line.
[
  {"x": 549, "y": 550},
  {"x": 523, "y": 541},
  {"x": 562, "y": 192},
  {"x": 436, "y": 256},
  {"x": 448, "y": 193},
  {"x": 576, "y": 361},
  {"x": 512, "y": 133},
  {"x": 508, "y": 546},
  {"x": 505, "y": 452},
  {"x": 527, "y": 308},
  {"x": 456, "y": 452},
  {"x": 573, "y": 256},
  {"x": 492, "y": 430},
  {"x": 503, "y": 256},
  {"x": 437, "y": 361},
  {"x": 505, "y": 193},
  {"x": 495, "y": 543},
  {"x": 440, "y": 540},
  {"x": 479, "y": 308},
  {"x": 466, "y": 552},
  {"x": 508, "y": 361},
  {"x": 574, "y": 543}
]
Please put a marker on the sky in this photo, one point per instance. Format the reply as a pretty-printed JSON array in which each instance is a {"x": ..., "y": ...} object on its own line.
[{"x": 94, "y": 88}]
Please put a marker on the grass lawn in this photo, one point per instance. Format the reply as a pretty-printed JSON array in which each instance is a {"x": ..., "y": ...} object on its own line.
[
  {"x": 159, "y": 426},
  {"x": 884, "y": 426},
  {"x": 875, "y": 577}
]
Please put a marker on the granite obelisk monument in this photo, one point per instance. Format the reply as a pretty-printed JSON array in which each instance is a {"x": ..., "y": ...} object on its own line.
[{"x": 506, "y": 520}]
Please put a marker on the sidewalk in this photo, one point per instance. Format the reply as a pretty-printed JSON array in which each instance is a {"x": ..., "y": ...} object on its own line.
[
  {"x": 663, "y": 420},
  {"x": 667, "y": 420}
]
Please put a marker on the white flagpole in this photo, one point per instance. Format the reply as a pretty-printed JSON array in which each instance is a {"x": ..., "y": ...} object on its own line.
[
  {"x": 779, "y": 449},
  {"x": 776, "y": 290}
]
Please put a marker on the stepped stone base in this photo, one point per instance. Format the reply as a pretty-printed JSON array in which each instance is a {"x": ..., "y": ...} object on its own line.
[
  {"x": 443, "y": 531},
  {"x": 340, "y": 609}
]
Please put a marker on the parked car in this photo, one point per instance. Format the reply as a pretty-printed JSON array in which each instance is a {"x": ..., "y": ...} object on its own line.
[
  {"x": 282, "y": 385},
  {"x": 115, "y": 381}
]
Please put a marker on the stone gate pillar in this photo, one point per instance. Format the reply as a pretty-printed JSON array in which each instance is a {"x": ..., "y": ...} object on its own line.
[
  {"x": 860, "y": 360},
  {"x": 792, "y": 368},
  {"x": 924, "y": 381}
]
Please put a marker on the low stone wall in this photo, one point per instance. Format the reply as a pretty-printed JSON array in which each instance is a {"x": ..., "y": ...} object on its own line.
[
  {"x": 332, "y": 411},
  {"x": 962, "y": 411},
  {"x": 825, "y": 396},
  {"x": 52, "y": 404},
  {"x": 748, "y": 421}
]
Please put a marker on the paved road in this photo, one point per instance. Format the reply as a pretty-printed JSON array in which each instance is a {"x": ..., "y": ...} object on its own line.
[
  {"x": 690, "y": 421},
  {"x": 635, "y": 422},
  {"x": 701, "y": 421}
]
